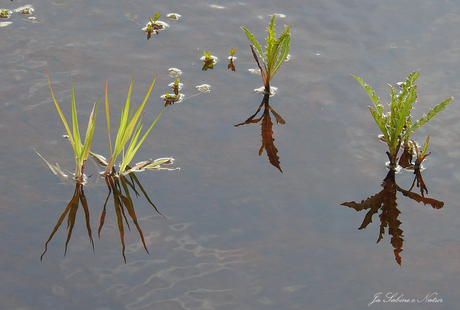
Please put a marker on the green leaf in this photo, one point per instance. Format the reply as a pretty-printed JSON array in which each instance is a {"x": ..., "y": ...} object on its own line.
[
  {"x": 256, "y": 45},
  {"x": 427, "y": 117},
  {"x": 371, "y": 93},
  {"x": 156, "y": 17}
]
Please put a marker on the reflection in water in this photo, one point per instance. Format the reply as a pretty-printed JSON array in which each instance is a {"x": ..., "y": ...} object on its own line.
[
  {"x": 266, "y": 130},
  {"x": 120, "y": 187},
  {"x": 385, "y": 202},
  {"x": 71, "y": 211},
  {"x": 182, "y": 273}
]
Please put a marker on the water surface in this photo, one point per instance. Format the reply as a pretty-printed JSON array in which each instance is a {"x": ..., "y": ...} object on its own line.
[{"x": 238, "y": 233}]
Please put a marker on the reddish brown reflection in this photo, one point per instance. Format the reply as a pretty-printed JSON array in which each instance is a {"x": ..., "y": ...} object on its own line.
[
  {"x": 121, "y": 189},
  {"x": 267, "y": 129},
  {"x": 385, "y": 203}
]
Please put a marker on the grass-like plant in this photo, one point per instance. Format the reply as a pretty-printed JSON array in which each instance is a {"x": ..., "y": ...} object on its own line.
[
  {"x": 81, "y": 150},
  {"x": 397, "y": 125},
  {"x": 129, "y": 129},
  {"x": 276, "y": 51}
]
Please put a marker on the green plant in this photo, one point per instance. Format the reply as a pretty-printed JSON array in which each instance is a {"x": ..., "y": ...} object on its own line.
[
  {"x": 5, "y": 13},
  {"x": 276, "y": 51},
  {"x": 154, "y": 26},
  {"x": 396, "y": 125},
  {"x": 129, "y": 129},
  {"x": 208, "y": 60},
  {"x": 231, "y": 58},
  {"x": 81, "y": 151}
]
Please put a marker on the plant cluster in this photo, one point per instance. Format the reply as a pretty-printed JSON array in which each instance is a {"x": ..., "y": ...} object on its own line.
[{"x": 397, "y": 125}]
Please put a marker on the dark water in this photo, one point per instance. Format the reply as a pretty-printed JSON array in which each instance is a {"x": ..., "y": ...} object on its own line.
[{"x": 238, "y": 233}]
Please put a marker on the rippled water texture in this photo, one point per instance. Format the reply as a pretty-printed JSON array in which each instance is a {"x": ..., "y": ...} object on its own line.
[{"x": 237, "y": 232}]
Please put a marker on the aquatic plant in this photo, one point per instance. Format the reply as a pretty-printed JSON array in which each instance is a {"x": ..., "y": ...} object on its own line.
[
  {"x": 208, "y": 60},
  {"x": 231, "y": 58},
  {"x": 129, "y": 129},
  {"x": 81, "y": 151},
  {"x": 154, "y": 25},
  {"x": 397, "y": 125},
  {"x": 5, "y": 13},
  {"x": 276, "y": 51}
]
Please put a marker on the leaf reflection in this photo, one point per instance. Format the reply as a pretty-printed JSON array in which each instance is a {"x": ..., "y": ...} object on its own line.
[
  {"x": 267, "y": 129},
  {"x": 121, "y": 189},
  {"x": 385, "y": 202},
  {"x": 71, "y": 212}
]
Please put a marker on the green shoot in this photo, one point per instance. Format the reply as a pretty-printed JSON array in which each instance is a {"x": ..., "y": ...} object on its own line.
[
  {"x": 231, "y": 58},
  {"x": 154, "y": 25},
  {"x": 276, "y": 52},
  {"x": 129, "y": 128},
  {"x": 208, "y": 60},
  {"x": 396, "y": 125},
  {"x": 81, "y": 151}
]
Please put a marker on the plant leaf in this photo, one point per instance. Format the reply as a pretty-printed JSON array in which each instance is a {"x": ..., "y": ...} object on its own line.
[{"x": 426, "y": 117}]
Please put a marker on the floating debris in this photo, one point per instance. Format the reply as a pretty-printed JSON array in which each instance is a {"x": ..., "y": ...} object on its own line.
[
  {"x": 174, "y": 72},
  {"x": 254, "y": 71},
  {"x": 204, "y": 88},
  {"x": 27, "y": 10},
  {"x": 173, "y": 16},
  {"x": 261, "y": 90}
]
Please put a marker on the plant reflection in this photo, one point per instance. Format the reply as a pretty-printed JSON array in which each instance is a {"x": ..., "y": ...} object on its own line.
[
  {"x": 385, "y": 202},
  {"x": 266, "y": 129},
  {"x": 120, "y": 187},
  {"x": 71, "y": 213}
]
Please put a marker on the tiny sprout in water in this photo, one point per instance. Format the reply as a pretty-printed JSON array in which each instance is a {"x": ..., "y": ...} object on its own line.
[
  {"x": 27, "y": 10},
  {"x": 208, "y": 60},
  {"x": 231, "y": 58},
  {"x": 173, "y": 16},
  {"x": 5, "y": 13},
  {"x": 176, "y": 86},
  {"x": 154, "y": 25},
  {"x": 172, "y": 99}
]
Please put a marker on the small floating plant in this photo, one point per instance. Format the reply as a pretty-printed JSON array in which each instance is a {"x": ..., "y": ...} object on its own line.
[
  {"x": 208, "y": 61},
  {"x": 154, "y": 26},
  {"x": 231, "y": 58}
]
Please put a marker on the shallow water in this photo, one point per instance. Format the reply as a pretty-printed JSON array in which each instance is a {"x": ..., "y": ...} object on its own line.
[{"x": 238, "y": 233}]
